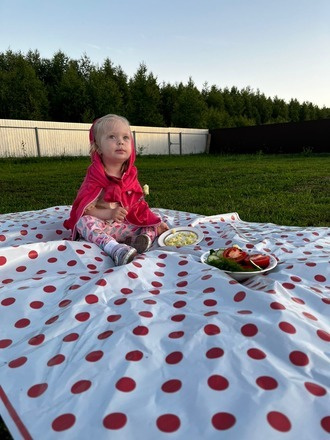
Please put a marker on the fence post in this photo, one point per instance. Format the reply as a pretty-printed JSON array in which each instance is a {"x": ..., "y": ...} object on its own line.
[
  {"x": 169, "y": 143},
  {"x": 180, "y": 143},
  {"x": 37, "y": 141},
  {"x": 134, "y": 139}
]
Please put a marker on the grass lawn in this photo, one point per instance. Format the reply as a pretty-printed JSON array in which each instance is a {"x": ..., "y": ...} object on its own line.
[{"x": 281, "y": 189}]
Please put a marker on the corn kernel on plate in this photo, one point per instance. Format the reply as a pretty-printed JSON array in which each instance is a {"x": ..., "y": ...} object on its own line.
[{"x": 181, "y": 236}]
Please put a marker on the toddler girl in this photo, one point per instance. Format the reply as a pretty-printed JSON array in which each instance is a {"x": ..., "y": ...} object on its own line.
[{"x": 110, "y": 209}]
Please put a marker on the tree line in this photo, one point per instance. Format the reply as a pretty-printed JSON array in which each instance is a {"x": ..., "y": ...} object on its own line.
[{"x": 64, "y": 89}]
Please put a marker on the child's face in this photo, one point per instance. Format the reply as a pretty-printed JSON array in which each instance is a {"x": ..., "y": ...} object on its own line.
[{"x": 115, "y": 143}]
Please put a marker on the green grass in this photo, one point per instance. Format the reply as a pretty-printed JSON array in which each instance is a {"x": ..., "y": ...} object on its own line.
[{"x": 282, "y": 189}]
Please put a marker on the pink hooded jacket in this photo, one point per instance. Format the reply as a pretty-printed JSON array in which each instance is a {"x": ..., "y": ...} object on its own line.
[{"x": 125, "y": 190}]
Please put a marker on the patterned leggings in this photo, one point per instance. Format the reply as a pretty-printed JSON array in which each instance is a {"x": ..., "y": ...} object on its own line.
[{"x": 100, "y": 232}]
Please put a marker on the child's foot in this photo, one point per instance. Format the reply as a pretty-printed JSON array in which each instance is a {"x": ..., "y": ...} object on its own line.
[
  {"x": 142, "y": 243},
  {"x": 123, "y": 254}
]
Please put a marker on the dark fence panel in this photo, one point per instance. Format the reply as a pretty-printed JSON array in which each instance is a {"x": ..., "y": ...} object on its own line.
[{"x": 295, "y": 137}]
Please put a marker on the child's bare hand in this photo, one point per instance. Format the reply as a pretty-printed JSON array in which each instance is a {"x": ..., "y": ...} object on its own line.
[
  {"x": 118, "y": 214},
  {"x": 162, "y": 228}
]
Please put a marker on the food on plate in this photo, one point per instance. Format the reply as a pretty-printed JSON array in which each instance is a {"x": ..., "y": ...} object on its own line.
[
  {"x": 234, "y": 259},
  {"x": 181, "y": 238}
]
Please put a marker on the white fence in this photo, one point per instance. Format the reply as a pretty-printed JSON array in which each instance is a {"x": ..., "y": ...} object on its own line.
[{"x": 20, "y": 138}]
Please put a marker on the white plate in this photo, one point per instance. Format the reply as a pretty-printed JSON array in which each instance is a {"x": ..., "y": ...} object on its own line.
[
  {"x": 173, "y": 231},
  {"x": 243, "y": 275}
]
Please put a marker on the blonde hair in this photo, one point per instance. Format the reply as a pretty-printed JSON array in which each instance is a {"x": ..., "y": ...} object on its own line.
[
  {"x": 97, "y": 130},
  {"x": 99, "y": 126}
]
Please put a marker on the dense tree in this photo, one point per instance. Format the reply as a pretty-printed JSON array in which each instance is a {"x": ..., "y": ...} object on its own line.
[
  {"x": 190, "y": 108},
  {"x": 145, "y": 103},
  {"x": 62, "y": 89},
  {"x": 21, "y": 91}
]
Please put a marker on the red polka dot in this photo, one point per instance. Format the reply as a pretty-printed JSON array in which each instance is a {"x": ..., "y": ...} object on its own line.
[
  {"x": 217, "y": 382},
  {"x": 21, "y": 323},
  {"x": 179, "y": 304},
  {"x": 36, "y": 304},
  {"x": 256, "y": 354},
  {"x": 325, "y": 423},
  {"x": 239, "y": 296},
  {"x": 82, "y": 317},
  {"x": 65, "y": 303},
  {"x": 132, "y": 275},
  {"x": 94, "y": 356},
  {"x": 322, "y": 334},
  {"x": 37, "y": 340},
  {"x": 176, "y": 335},
  {"x": 52, "y": 320},
  {"x": 299, "y": 358},
  {"x": 126, "y": 384},
  {"x": 298, "y": 300},
  {"x": 277, "y": 306},
  {"x": 21, "y": 269},
  {"x": 2, "y": 237},
  {"x": 101, "y": 282},
  {"x": 315, "y": 389},
  {"x": 146, "y": 314},
  {"x": 115, "y": 421},
  {"x": 178, "y": 318},
  {"x": 63, "y": 422},
  {"x": 16, "y": 363},
  {"x": 126, "y": 291},
  {"x": 288, "y": 286},
  {"x": 309, "y": 316},
  {"x": 267, "y": 382},
  {"x": 135, "y": 355},
  {"x": 214, "y": 353},
  {"x": 120, "y": 301},
  {"x": 320, "y": 278},
  {"x": 209, "y": 290},
  {"x": 156, "y": 284},
  {"x": 8, "y": 301},
  {"x": 140, "y": 330},
  {"x": 72, "y": 263},
  {"x": 52, "y": 260},
  {"x": 249, "y": 330},
  {"x": 3, "y": 260},
  {"x": 91, "y": 299},
  {"x": 223, "y": 421},
  {"x": 4, "y": 343},
  {"x": 56, "y": 360},
  {"x": 113, "y": 318},
  {"x": 168, "y": 423},
  {"x": 49, "y": 289},
  {"x": 210, "y": 302},
  {"x": 81, "y": 386},
  {"x": 212, "y": 329},
  {"x": 172, "y": 386},
  {"x": 61, "y": 247},
  {"x": 174, "y": 358},
  {"x": 37, "y": 390},
  {"x": 71, "y": 337},
  {"x": 279, "y": 421},
  {"x": 33, "y": 255},
  {"x": 105, "y": 334},
  {"x": 287, "y": 327}
]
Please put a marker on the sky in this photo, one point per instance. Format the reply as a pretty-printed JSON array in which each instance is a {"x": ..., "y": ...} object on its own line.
[{"x": 279, "y": 47}]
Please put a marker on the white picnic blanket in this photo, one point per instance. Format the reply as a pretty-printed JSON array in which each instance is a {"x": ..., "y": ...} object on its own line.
[{"x": 164, "y": 347}]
